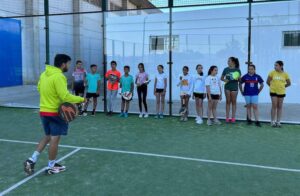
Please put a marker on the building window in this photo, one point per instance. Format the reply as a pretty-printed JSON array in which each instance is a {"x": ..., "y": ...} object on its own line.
[
  {"x": 94, "y": 2},
  {"x": 161, "y": 43},
  {"x": 291, "y": 38}
]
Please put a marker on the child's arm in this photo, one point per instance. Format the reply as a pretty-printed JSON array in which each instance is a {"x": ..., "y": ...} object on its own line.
[
  {"x": 165, "y": 81},
  {"x": 241, "y": 87},
  {"x": 220, "y": 86},
  {"x": 155, "y": 82},
  {"x": 208, "y": 92},
  {"x": 269, "y": 80},
  {"x": 132, "y": 87},
  {"x": 98, "y": 86},
  {"x": 288, "y": 83},
  {"x": 261, "y": 86},
  {"x": 191, "y": 86}
]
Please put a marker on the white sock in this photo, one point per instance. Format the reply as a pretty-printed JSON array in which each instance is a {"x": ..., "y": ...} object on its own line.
[
  {"x": 51, "y": 163},
  {"x": 34, "y": 156}
]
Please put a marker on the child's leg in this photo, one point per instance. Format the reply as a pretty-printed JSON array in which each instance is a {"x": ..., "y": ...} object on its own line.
[
  {"x": 144, "y": 92},
  {"x": 228, "y": 102},
  {"x": 279, "y": 109},
  {"x": 109, "y": 100},
  {"x": 209, "y": 110},
  {"x": 139, "y": 91},
  {"x": 162, "y": 103},
  {"x": 201, "y": 107},
  {"x": 214, "y": 108},
  {"x": 233, "y": 95},
  {"x": 187, "y": 99},
  {"x": 122, "y": 105},
  {"x": 113, "y": 99},
  {"x": 255, "y": 111},
  {"x": 95, "y": 101},
  {"x": 249, "y": 113},
  {"x": 197, "y": 103},
  {"x": 157, "y": 102},
  {"x": 274, "y": 108},
  {"x": 127, "y": 104},
  {"x": 86, "y": 105}
]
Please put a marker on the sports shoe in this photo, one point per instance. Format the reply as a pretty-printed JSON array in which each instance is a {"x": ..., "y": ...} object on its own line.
[
  {"x": 161, "y": 116},
  {"x": 249, "y": 122},
  {"x": 228, "y": 120},
  {"x": 141, "y": 115},
  {"x": 29, "y": 167},
  {"x": 156, "y": 116},
  {"x": 199, "y": 122},
  {"x": 273, "y": 124},
  {"x": 185, "y": 119},
  {"x": 233, "y": 120},
  {"x": 257, "y": 123},
  {"x": 122, "y": 114},
  {"x": 146, "y": 115},
  {"x": 126, "y": 115},
  {"x": 93, "y": 113},
  {"x": 217, "y": 122},
  {"x": 197, "y": 118},
  {"x": 209, "y": 123},
  {"x": 54, "y": 170},
  {"x": 84, "y": 113},
  {"x": 278, "y": 124},
  {"x": 181, "y": 118}
]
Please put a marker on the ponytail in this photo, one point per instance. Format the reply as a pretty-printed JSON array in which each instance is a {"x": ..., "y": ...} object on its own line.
[{"x": 235, "y": 61}]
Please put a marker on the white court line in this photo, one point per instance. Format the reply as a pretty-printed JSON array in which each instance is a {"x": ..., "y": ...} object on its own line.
[
  {"x": 36, "y": 173},
  {"x": 170, "y": 157}
]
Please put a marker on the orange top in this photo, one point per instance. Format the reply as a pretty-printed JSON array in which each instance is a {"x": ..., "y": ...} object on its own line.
[{"x": 113, "y": 78}]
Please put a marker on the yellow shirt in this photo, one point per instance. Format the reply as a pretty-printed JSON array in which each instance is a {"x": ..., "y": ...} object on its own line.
[{"x": 278, "y": 82}]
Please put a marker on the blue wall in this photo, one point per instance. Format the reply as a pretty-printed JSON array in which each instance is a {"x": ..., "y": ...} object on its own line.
[{"x": 10, "y": 53}]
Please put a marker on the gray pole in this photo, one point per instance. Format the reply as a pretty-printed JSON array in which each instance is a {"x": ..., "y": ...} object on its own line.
[
  {"x": 170, "y": 56},
  {"x": 46, "y": 10},
  {"x": 104, "y": 55}
]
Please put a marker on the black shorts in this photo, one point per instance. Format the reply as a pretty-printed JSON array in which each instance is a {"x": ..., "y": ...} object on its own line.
[
  {"x": 277, "y": 95},
  {"x": 199, "y": 95},
  {"x": 90, "y": 95},
  {"x": 79, "y": 88},
  {"x": 215, "y": 97},
  {"x": 158, "y": 90}
]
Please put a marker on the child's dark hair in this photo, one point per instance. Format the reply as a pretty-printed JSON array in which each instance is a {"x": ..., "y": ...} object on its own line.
[
  {"x": 211, "y": 69},
  {"x": 280, "y": 63},
  {"x": 78, "y": 61},
  {"x": 186, "y": 67},
  {"x": 252, "y": 65},
  {"x": 93, "y": 65},
  {"x": 113, "y": 62},
  {"x": 60, "y": 59},
  {"x": 142, "y": 65},
  {"x": 127, "y": 67},
  {"x": 161, "y": 66},
  {"x": 199, "y": 65},
  {"x": 235, "y": 61}
]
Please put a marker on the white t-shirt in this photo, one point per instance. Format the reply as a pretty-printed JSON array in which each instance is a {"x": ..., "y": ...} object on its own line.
[
  {"x": 199, "y": 84},
  {"x": 214, "y": 83},
  {"x": 186, "y": 84},
  {"x": 160, "y": 84}
]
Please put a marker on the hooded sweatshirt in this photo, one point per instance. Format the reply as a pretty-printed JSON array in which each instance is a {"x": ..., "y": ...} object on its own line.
[{"x": 53, "y": 90}]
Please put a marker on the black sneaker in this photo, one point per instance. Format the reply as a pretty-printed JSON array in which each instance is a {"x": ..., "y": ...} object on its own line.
[
  {"x": 29, "y": 167},
  {"x": 249, "y": 122},
  {"x": 55, "y": 170},
  {"x": 93, "y": 113},
  {"x": 257, "y": 123}
]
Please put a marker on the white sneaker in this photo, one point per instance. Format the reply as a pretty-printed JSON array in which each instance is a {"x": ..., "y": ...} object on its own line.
[
  {"x": 217, "y": 122},
  {"x": 273, "y": 124},
  {"x": 198, "y": 118},
  {"x": 146, "y": 115},
  {"x": 141, "y": 115},
  {"x": 199, "y": 122},
  {"x": 209, "y": 122}
]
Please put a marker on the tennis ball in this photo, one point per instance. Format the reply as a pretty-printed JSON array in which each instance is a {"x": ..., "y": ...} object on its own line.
[{"x": 235, "y": 75}]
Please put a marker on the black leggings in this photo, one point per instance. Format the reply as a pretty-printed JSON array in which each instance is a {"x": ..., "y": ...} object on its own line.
[{"x": 142, "y": 91}]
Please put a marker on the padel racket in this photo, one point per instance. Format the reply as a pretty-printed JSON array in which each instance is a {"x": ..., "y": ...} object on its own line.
[{"x": 68, "y": 112}]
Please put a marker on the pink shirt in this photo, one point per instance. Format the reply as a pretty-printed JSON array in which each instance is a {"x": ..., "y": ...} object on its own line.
[{"x": 141, "y": 77}]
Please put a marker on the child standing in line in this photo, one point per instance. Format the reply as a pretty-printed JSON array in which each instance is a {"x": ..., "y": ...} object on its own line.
[
  {"x": 214, "y": 94},
  {"x": 278, "y": 80},
  {"x": 231, "y": 76},
  {"x": 113, "y": 77},
  {"x": 160, "y": 88},
  {"x": 78, "y": 87},
  {"x": 199, "y": 94},
  {"x": 142, "y": 80},
  {"x": 127, "y": 86},
  {"x": 93, "y": 81},
  {"x": 251, "y": 91},
  {"x": 186, "y": 89}
]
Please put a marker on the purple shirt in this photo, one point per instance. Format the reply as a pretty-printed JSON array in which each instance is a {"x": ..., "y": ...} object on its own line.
[{"x": 141, "y": 77}]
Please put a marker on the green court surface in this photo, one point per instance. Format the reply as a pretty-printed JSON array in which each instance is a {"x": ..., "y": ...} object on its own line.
[{"x": 114, "y": 156}]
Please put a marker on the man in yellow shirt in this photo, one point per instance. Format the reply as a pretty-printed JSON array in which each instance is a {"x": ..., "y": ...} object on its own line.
[
  {"x": 278, "y": 80},
  {"x": 53, "y": 91}
]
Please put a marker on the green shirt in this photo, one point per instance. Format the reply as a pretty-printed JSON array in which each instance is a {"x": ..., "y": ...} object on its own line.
[
  {"x": 233, "y": 83},
  {"x": 126, "y": 82}
]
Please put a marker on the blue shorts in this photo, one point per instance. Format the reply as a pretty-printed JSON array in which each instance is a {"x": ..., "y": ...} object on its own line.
[
  {"x": 251, "y": 99},
  {"x": 54, "y": 125}
]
